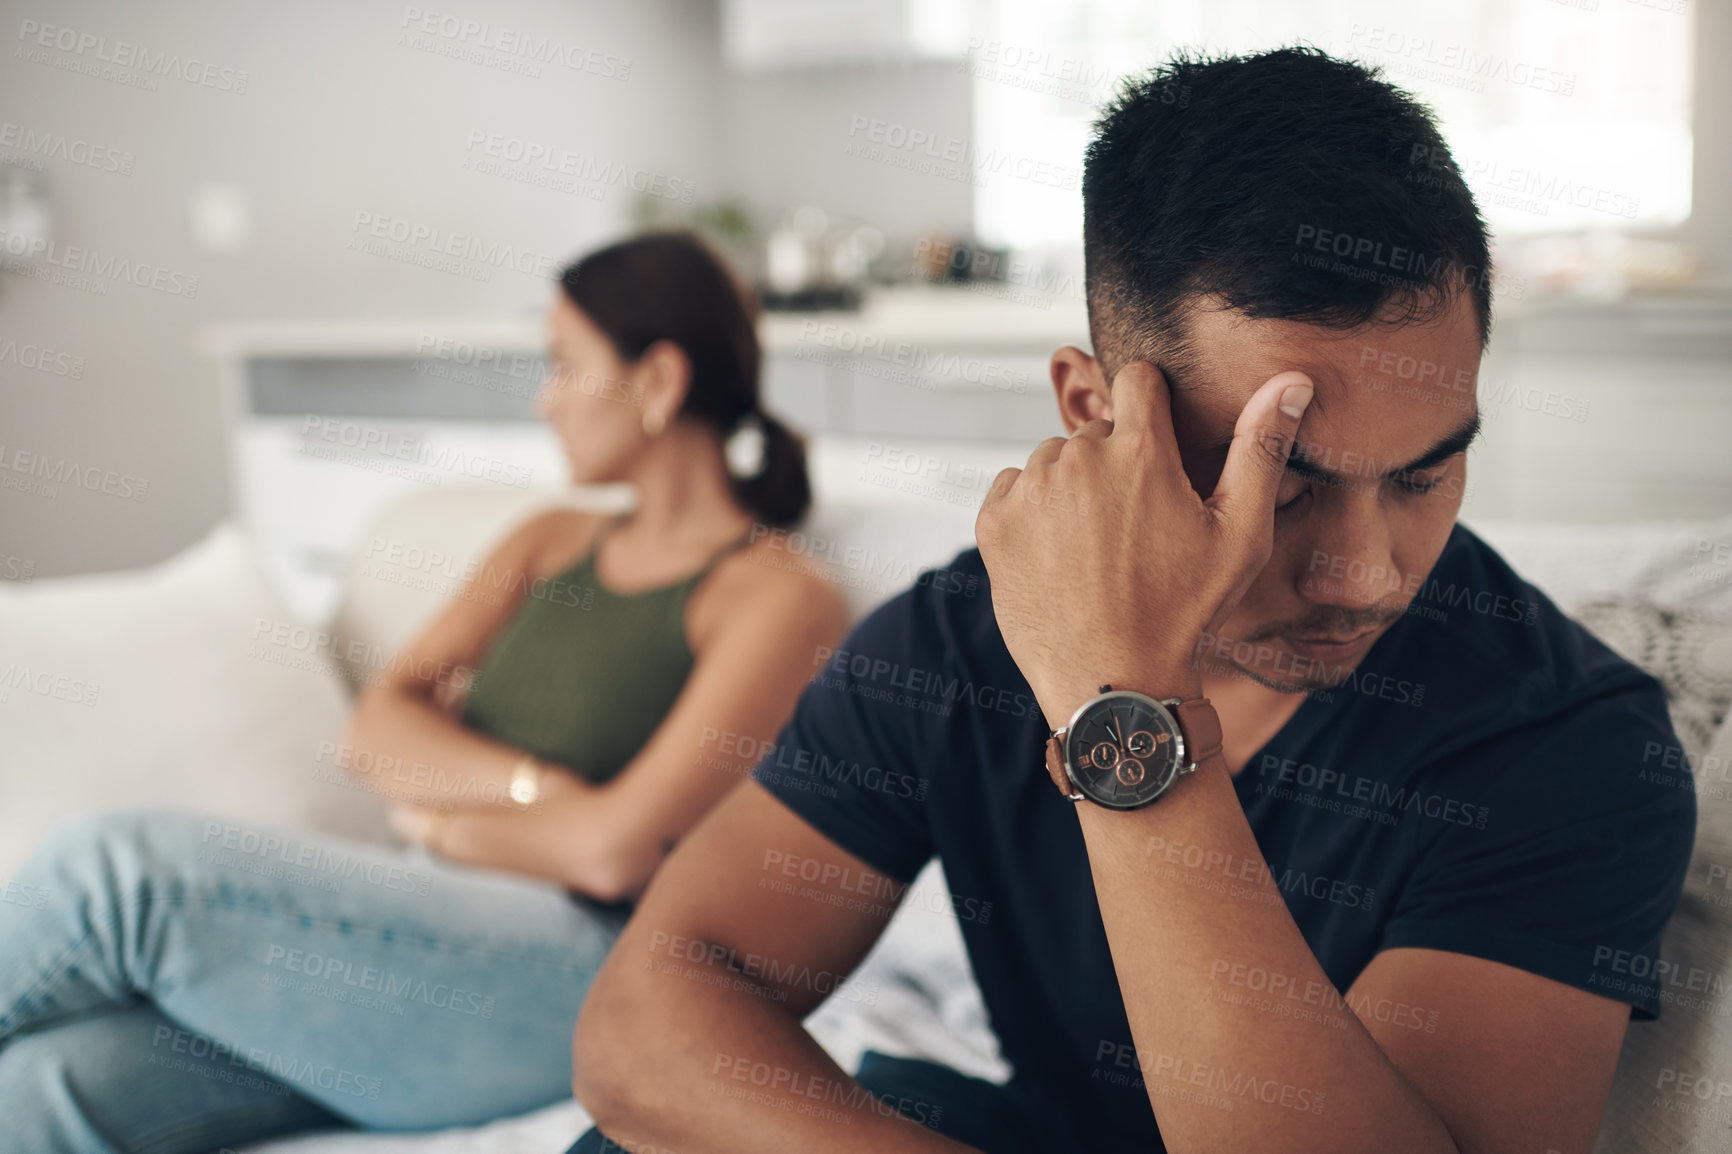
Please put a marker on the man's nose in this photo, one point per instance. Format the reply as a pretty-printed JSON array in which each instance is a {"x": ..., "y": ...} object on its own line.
[{"x": 1350, "y": 571}]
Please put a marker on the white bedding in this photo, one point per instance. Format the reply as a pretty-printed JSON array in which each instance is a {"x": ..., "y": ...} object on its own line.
[{"x": 192, "y": 717}]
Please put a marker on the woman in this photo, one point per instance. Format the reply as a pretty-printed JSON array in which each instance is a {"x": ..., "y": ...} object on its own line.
[{"x": 188, "y": 984}]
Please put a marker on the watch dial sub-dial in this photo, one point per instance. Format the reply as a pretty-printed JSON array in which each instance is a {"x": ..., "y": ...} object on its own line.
[
  {"x": 1103, "y": 755},
  {"x": 1141, "y": 743},
  {"x": 1130, "y": 772}
]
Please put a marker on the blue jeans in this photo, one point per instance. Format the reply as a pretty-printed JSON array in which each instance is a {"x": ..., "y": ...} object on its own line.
[{"x": 175, "y": 983}]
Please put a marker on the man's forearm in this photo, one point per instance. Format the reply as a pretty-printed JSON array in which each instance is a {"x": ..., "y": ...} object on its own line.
[
  {"x": 1182, "y": 907},
  {"x": 702, "y": 1060}
]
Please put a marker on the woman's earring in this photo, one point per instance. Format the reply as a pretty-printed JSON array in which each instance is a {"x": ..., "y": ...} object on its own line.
[{"x": 653, "y": 423}]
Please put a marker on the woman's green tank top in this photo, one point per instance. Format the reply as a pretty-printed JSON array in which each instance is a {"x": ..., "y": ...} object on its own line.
[{"x": 581, "y": 676}]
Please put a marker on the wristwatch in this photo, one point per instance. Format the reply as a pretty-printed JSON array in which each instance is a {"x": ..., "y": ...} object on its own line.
[
  {"x": 525, "y": 787},
  {"x": 1124, "y": 750}
]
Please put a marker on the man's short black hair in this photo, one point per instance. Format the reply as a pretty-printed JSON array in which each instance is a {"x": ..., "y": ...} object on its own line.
[{"x": 1286, "y": 184}]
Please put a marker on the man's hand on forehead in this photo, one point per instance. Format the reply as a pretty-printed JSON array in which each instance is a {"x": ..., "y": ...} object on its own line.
[{"x": 1106, "y": 565}]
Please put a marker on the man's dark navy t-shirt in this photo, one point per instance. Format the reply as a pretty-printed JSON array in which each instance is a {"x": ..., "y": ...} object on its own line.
[{"x": 1485, "y": 783}]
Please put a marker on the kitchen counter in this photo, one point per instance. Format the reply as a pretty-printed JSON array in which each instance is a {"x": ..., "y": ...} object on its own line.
[
  {"x": 992, "y": 315},
  {"x": 983, "y": 315}
]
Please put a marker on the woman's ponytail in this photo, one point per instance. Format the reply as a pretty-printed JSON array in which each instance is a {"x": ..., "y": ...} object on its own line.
[{"x": 779, "y": 491}]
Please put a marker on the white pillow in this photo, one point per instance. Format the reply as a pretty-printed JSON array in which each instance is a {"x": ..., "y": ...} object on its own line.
[
  {"x": 1673, "y": 1090},
  {"x": 1673, "y": 564},
  {"x": 147, "y": 689}
]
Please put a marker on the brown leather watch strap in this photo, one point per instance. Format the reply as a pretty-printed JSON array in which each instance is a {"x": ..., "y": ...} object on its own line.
[
  {"x": 1055, "y": 766},
  {"x": 1201, "y": 726}
]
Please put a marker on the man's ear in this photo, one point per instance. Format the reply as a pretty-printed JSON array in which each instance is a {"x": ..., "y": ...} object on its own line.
[{"x": 1081, "y": 388}]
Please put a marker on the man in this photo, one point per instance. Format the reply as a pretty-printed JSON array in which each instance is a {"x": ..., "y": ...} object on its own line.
[{"x": 1377, "y": 910}]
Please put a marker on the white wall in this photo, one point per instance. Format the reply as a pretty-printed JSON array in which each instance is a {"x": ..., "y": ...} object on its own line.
[
  {"x": 340, "y": 117},
  {"x": 795, "y": 137},
  {"x": 337, "y": 117}
]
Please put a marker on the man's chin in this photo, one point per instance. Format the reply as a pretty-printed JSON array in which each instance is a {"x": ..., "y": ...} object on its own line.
[
  {"x": 1301, "y": 684},
  {"x": 1277, "y": 682},
  {"x": 1284, "y": 663},
  {"x": 1289, "y": 675}
]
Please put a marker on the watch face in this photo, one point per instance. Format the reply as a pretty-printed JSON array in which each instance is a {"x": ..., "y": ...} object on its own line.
[{"x": 1123, "y": 750}]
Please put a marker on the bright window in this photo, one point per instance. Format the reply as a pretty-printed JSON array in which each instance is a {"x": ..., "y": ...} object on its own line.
[{"x": 1563, "y": 114}]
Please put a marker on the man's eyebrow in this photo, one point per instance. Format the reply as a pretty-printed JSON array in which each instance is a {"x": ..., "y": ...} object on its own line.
[
  {"x": 1453, "y": 443},
  {"x": 1449, "y": 446}
]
